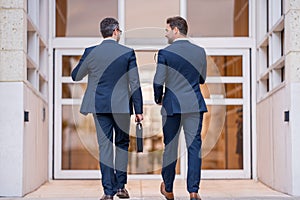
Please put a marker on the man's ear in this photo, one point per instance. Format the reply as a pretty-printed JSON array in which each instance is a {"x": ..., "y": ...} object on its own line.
[
  {"x": 176, "y": 30},
  {"x": 114, "y": 33}
]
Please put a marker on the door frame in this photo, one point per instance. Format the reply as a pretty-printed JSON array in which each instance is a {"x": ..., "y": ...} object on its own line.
[
  {"x": 244, "y": 173},
  {"x": 206, "y": 174}
]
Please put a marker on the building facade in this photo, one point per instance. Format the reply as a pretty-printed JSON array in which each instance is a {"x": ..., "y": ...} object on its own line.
[{"x": 252, "y": 89}]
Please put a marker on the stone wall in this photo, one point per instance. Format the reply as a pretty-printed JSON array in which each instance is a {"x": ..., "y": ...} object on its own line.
[{"x": 12, "y": 40}]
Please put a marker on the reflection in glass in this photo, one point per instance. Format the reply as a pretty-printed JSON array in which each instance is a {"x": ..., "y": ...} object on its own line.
[
  {"x": 222, "y": 137},
  {"x": 79, "y": 140},
  {"x": 150, "y": 161},
  {"x": 146, "y": 66},
  {"x": 222, "y": 131},
  {"x": 213, "y": 18},
  {"x": 73, "y": 90},
  {"x": 218, "y": 18},
  {"x": 222, "y": 90},
  {"x": 77, "y": 18},
  {"x": 80, "y": 149},
  {"x": 224, "y": 66},
  {"x": 147, "y": 19},
  {"x": 68, "y": 64}
]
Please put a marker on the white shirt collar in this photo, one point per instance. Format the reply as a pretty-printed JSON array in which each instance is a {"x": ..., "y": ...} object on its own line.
[
  {"x": 110, "y": 38},
  {"x": 178, "y": 39}
]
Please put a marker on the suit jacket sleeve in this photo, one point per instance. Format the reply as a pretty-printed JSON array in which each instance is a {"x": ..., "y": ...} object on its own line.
[
  {"x": 159, "y": 78},
  {"x": 203, "y": 68},
  {"x": 134, "y": 84},
  {"x": 81, "y": 70}
]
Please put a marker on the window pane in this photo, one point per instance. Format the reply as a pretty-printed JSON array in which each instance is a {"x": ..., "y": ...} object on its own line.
[
  {"x": 148, "y": 21},
  {"x": 80, "y": 149},
  {"x": 224, "y": 66},
  {"x": 68, "y": 64},
  {"x": 79, "y": 140},
  {"x": 222, "y": 136},
  {"x": 73, "y": 90},
  {"x": 218, "y": 18},
  {"x": 150, "y": 161},
  {"x": 222, "y": 90},
  {"x": 80, "y": 18},
  {"x": 147, "y": 66}
]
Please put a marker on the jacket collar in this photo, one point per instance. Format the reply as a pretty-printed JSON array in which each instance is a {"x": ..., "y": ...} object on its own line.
[
  {"x": 181, "y": 40},
  {"x": 109, "y": 40}
]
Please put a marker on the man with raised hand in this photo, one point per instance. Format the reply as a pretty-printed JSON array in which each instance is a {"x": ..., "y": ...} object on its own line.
[{"x": 181, "y": 68}]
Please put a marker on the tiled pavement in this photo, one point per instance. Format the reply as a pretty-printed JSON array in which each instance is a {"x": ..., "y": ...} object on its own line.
[{"x": 149, "y": 190}]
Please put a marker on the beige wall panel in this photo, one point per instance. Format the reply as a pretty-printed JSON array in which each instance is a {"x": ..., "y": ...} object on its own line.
[
  {"x": 35, "y": 142},
  {"x": 282, "y": 165},
  {"x": 264, "y": 143}
]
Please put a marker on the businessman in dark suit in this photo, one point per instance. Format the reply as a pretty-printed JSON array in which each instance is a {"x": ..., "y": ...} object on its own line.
[
  {"x": 181, "y": 68},
  {"x": 113, "y": 90}
]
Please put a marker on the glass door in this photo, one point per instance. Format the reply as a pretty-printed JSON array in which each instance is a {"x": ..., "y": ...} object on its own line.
[
  {"x": 76, "y": 149},
  {"x": 75, "y": 144},
  {"x": 149, "y": 163},
  {"x": 226, "y": 129}
]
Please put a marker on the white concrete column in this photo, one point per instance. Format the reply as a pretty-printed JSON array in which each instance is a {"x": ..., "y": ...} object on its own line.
[
  {"x": 12, "y": 73},
  {"x": 11, "y": 139},
  {"x": 292, "y": 49}
]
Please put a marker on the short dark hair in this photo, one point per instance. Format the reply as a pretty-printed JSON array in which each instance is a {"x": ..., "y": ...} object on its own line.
[
  {"x": 107, "y": 26},
  {"x": 178, "y": 22}
]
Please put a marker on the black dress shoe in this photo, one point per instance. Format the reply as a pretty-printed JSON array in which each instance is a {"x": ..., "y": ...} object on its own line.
[
  {"x": 168, "y": 195},
  {"x": 107, "y": 197},
  {"x": 123, "y": 194}
]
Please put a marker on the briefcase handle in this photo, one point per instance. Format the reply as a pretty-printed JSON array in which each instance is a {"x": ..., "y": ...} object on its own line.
[
  {"x": 139, "y": 125},
  {"x": 139, "y": 137}
]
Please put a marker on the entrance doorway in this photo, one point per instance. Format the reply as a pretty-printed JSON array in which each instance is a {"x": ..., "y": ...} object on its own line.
[{"x": 225, "y": 135}]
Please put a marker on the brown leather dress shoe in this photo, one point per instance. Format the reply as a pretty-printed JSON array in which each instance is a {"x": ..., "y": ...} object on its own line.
[
  {"x": 168, "y": 195},
  {"x": 194, "y": 196},
  {"x": 123, "y": 194},
  {"x": 107, "y": 197}
]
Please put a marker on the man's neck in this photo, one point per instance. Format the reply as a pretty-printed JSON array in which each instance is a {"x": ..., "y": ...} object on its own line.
[
  {"x": 110, "y": 38},
  {"x": 181, "y": 38}
]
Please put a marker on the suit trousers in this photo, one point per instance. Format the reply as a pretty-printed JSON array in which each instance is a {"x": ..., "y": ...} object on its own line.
[
  {"x": 113, "y": 165},
  {"x": 192, "y": 125}
]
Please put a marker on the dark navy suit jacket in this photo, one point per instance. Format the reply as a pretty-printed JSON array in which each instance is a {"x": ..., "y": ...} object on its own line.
[
  {"x": 181, "y": 68},
  {"x": 113, "y": 79}
]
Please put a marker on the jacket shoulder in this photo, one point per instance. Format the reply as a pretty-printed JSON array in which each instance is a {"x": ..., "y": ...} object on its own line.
[
  {"x": 200, "y": 48},
  {"x": 127, "y": 49},
  {"x": 88, "y": 49}
]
